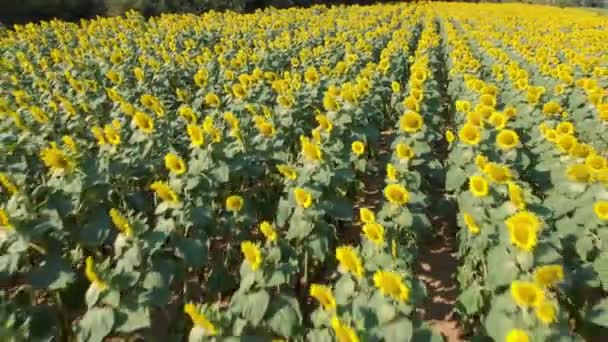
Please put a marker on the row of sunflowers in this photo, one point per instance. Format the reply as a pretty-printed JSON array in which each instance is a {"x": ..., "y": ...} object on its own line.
[
  {"x": 208, "y": 177},
  {"x": 194, "y": 176},
  {"x": 528, "y": 169}
]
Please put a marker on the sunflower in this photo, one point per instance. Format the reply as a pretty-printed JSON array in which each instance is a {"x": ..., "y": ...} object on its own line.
[
  {"x": 478, "y": 186},
  {"x": 358, "y": 147},
  {"x": 287, "y": 171},
  {"x": 396, "y": 194},
  {"x": 56, "y": 160},
  {"x": 601, "y": 210},
  {"x": 212, "y": 100},
  {"x": 303, "y": 197},
  {"x": 200, "y": 320},
  {"x": 579, "y": 173},
  {"x": 565, "y": 128},
  {"x": 404, "y": 152},
  {"x": 488, "y": 100},
  {"x": 234, "y": 203},
  {"x": 497, "y": 173},
  {"x": 268, "y": 230},
  {"x": 516, "y": 195},
  {"x": 552, "y": 108},
  {"x": 469, "y": 134},
  {"x": 349, "y": 261},
  {"x": 91, "y": 274},
  {"x": 324, "y": 123},
  {"x": 507, "y": 139},
  {"x": 565, "y": 142},
  {"x": 523, "y": 228},
  {"x": 324, "y": 295},
  {"x": 581, "y": 150},
  {"x": 311, "y": 76},
  {"x": 374, "y": 232},
  {"x": 310, "y": 150},
  {"x": 391, "y": 172},
  {"x": 120, "y": 222},
  {"x": 252, "y": 254},
  {"x": 548, "y": 275},
  {"x": 449, "y": 136},
  {"x": 7, "y": 184},
  {"x": 390, "y": 284},
  {"x": 197, "y": 139},
  {"x": 595, "y": 162},
  {"x": 469, "y": 221},
  {"x": 343, "y": 332},
  {"x": 98, "y": 134},
  {"x": 517, "y": 335},
  {"x": 366, "y": 215},
  {"x": 481, "y": 161},
  {"x": 143, "y": 122},
  {"x": 175, "y": 164},
  {"x": 498, "y": 120},
  {"x": 411, "y": 122},
  {"x": 164, "y": 191},
  {"x": 395, "y": 86},
  {"x": 545, "y": 312},
  {"x": 4, "y": 219},
  {"x": 527, "y": 294}
]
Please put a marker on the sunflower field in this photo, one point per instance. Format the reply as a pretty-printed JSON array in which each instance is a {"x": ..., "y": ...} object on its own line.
[{"x": 270, "y": 176}]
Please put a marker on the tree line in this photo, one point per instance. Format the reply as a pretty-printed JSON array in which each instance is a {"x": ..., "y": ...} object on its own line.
[{"x": 21, "y": 11}]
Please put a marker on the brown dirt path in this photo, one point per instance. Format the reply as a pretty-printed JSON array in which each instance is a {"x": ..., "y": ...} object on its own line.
[{"x": 436, "y": 267}]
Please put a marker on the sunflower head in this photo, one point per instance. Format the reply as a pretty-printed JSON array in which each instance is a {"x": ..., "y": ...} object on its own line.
[
  {"x": 411, "y": 122},
  {"x": 366, "y": 215},
  {"x": 478, "y": 186},
  {"x": 374, "y": 232},
  {"x": 396, "y": 194},
  {"x": 517, "y": 335},
  {"x": 303, "y": 197},
  {"x": 349, "y": 261},
  {"x": 390, "y": 284},
  {"x": 579, "y": 173},
  {"x": 469, "y": 221},
  {"x": 234, "y": 203},
  {"x": 527, "y": 294},
  {"x": 404, "y": 152},
  {"x": 548, "y": 275},
  {"x": 523, "y": 230},
  {"x": 175, "y": 164},
  {"x": 252, "y": 254},
  {"x": 358, "y": 147},
  {"x": 469, "y": 134},
  {"x": 507, "y": 139},
  {"x": 324, "y": 295},
  {"x": 600, "y": 208},
  {"x": 287, "y": 171}
]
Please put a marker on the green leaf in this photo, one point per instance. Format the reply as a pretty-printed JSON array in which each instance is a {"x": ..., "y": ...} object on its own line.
[
  {"x": 470, "y": 299},
  {"x": 96, "y": 324},
  {"x": 503, "y": 268},
  {"x": 92, "y": 295},
  {"x": 344, "y": 290},
  {"x": 192, "y": 251},
  {"x": 598, "y": 314},
  {"x": 455, "y": 178},
  {"x": 399, "y": 330},
  {"x": 284, "y": 316},
  {"x": 132, "y": 319},
  {"x": 299, "y": 228},
  {"x": 54, "y": 274},
  {"x": 9, "y": 264},
  {"x": 255, "y": 306},
  {"x": 600, "y": 265},
  {"x": 584, "y": 245},
  {"x": 96, "y": 229}
]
